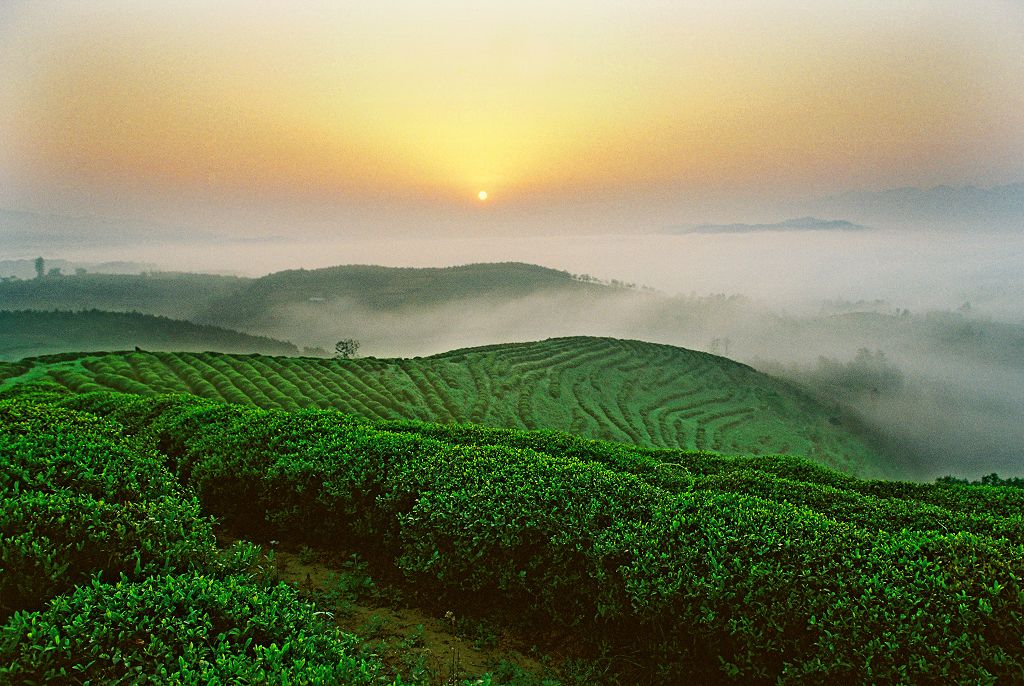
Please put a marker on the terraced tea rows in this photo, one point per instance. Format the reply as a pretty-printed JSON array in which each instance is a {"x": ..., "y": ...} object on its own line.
[
  {"x": 641, "y": 393},
  {"x": 655, "y": 566}
]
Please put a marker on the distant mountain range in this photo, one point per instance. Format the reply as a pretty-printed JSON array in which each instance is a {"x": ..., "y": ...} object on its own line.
[
  {"x": 798, "y": 224},
  {"x": 941, "y": 203}
]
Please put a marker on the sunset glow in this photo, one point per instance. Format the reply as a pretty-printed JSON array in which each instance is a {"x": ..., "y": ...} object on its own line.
[{"x": 421, "y": 102}]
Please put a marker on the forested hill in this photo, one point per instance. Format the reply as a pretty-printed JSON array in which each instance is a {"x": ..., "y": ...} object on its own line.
[
  {"x": 31, "y": 333},
  {"x": 630, "y": 391},
  {"x": 230, "y": 300}
]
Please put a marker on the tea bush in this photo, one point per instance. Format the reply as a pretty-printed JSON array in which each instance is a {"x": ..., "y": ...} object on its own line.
[
  {"x": 181, "y": 629},
  {"x": 725, "y": 573},
  {"x": 79, "y": 501}
]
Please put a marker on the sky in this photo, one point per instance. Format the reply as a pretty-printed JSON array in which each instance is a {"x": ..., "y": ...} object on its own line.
[{"x": 389, "y": 117}]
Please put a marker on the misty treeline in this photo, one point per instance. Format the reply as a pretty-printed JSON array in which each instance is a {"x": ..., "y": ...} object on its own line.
[
  {"x": 868, "y": 372},
  {"x": 941, "y": 388}
]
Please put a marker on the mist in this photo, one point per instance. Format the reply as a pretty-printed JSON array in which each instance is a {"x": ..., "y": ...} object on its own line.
[
  {"x": 917, "y": 268},
  {"x": 943, "y": 304}
]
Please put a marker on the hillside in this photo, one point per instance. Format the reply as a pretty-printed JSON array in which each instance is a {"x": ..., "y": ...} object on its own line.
[
  {"x": 616, "y": 564},
  {"x": 167, "y": 294},
  {"x": 392, "y": 288},
  {"x": 32, "y": 333},
  {"x": 395, "y": 310},
  {"x": 630, "y": 391}
]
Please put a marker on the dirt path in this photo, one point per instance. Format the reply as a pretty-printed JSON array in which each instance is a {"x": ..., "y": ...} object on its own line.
[{"x": 424, "y": 648}]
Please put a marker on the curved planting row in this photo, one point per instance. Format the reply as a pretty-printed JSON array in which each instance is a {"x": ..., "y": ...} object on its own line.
[
  {"x": 78, "y": 501},
  {"x": 109, "y": 573},
  {"x": 620, "y": 390},
  {"x": 693, "y": 567}
]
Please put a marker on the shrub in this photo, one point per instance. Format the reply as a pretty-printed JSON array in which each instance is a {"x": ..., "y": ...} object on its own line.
[
  {"x": 80, "y": 501},
  {"x": 180, "y": 629},
  {"x": 707, "y": 569}
]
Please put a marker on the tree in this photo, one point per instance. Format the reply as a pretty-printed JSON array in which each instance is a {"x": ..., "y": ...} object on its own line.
[
  {"x": 346, "y": 348},
  {"x": 40, "y": 267}
]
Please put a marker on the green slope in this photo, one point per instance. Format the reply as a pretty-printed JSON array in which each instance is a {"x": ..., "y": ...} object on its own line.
[
  {"x": 317, "y": 307},
  {"x": 30, "y": 333},
  {"x": 629, "y": 391}
]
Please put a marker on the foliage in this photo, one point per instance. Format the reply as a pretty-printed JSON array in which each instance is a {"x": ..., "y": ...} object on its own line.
[
  {"x": 987, "y": 480},
  {"x": 868, "y": 372},
  {"x": 346, "y": 348},
  {"x": 663, "y": 565},
  {"x": 181, "y": 629},
  {"x": 639, "y": 393},
  {"x": 78, "y": 502},
  {"x": 749, "y": 570}
]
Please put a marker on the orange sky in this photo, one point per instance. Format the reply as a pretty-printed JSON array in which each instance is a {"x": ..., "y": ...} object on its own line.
[{"x": 120, "y": 105}]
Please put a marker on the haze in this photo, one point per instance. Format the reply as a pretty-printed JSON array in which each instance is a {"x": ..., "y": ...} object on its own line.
[
  {"x": 251, "y": 138},
  {"x": 390, "y": 117}
]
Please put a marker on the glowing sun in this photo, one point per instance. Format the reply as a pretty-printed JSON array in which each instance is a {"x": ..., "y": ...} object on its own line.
[{"x": 482, "y": 195}]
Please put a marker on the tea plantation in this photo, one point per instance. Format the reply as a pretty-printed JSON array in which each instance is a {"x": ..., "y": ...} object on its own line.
[
  {"x": 629, "y": 391},
  {"x": 672, "y": 566}
]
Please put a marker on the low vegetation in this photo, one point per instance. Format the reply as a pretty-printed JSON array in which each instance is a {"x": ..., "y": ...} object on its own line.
[
  {"x": 665, "y": 566},
  {"x": 629, "y": 391}
]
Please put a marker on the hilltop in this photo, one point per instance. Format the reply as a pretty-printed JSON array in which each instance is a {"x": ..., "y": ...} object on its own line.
[
  {"x": 630, "y": 391},
  {"x": 316, "y": 307}
]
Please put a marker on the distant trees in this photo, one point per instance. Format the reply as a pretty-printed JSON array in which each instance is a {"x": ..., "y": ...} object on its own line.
[
  {"x": 992, "y": 479},
  {"x": 40, "y": 268},
  {"x": 346, "y": 348},
  {"x": 719, "y": 346},
  {"x": 868, "y": 372}
]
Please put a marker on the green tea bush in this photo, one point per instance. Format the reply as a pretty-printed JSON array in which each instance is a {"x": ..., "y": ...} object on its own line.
[
  {"x": 50, "y": 449},
  {"x": 732, "y": 574},
  {"x": 181, "y": 629},
  {"x": 79, "y": 501},
  {"x": 601, "y": 388},
  {"x": 51, "y": 541}
]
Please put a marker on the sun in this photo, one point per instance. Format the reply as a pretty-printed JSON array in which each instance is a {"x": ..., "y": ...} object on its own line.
[{"x": 482, "y": 195}]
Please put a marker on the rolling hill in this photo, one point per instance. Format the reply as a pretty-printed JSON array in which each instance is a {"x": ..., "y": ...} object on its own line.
[
  {"x": 628, "y": 391},
  {"x": 31, "y": 333},
  {"x": 231, "y": 300},
  {"x": 391, "y": 310}
]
